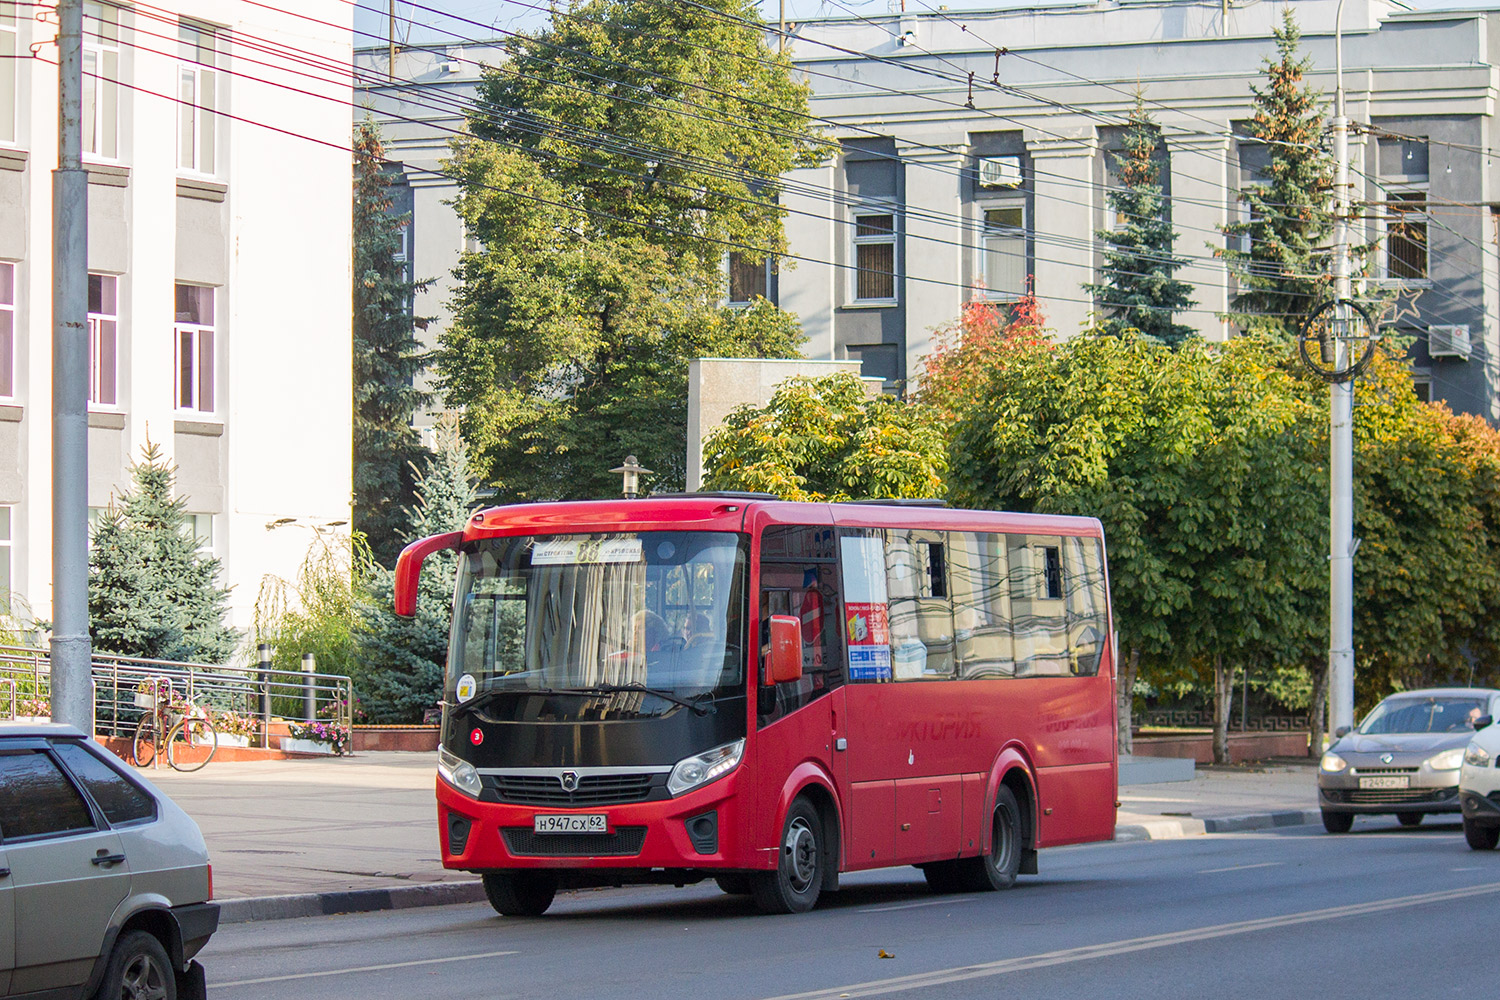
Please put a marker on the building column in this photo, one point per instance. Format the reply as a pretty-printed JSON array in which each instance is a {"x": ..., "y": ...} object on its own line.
[
  {"x": 1063, "y": 216},
  {"x": 932, "y": 254},
  {"x": 1205, "y": 177},
  {"x": 806, "y": 287}
]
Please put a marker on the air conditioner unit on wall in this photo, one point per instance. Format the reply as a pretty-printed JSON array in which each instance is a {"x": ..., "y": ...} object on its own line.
[
  {"x": 999, "y": 171},
  {"x": 1448, "y": 342}
]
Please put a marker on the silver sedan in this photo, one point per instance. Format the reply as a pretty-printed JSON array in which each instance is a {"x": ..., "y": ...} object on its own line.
[{"x": 1404, "y": 758}]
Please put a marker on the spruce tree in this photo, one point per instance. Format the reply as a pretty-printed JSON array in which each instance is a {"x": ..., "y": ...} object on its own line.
[
  {"x": 387, "y": 356},
  {"x": 152, "y": 591},
  {"x": 1284, "y": 274},
  {"x": 1139, "y": 291},
  {"x": 402, "y": 659}
]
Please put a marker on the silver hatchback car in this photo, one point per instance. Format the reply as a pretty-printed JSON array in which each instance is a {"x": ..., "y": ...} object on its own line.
[
  {"x": 104, "y": 882},
  {"x": 1404, "y": 758}
]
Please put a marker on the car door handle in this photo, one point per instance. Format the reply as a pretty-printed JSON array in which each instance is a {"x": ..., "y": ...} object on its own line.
[
  {"x": 4, "y": 873},
  {"x": 108, "y": 859}
]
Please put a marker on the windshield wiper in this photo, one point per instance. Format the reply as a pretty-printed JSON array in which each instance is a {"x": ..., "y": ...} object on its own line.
[{"x": 491, "y": 694}]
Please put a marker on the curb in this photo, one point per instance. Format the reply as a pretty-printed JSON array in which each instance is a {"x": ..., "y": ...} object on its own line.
[
  {"x": 1175, "y": 828},
  {"x": 322, "y": 904}
]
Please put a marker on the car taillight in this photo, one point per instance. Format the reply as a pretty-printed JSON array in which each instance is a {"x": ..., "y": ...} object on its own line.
[{"x": 210, "y": 881}]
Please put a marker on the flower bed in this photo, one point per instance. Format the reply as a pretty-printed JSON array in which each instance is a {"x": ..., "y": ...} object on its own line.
[{"x": 332, "y": 735}]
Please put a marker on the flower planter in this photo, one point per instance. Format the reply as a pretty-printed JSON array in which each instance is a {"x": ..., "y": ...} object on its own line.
[
  {"x": 145, "y": 700},
  {"x": 233, "y": 740},
  {"x": 292, "y": 745}
]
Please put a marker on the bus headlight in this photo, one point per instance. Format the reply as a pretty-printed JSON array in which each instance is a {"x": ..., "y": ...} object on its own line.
[
  {"x": 710, "y": 766},
  {"x": 458, "y": 773}
]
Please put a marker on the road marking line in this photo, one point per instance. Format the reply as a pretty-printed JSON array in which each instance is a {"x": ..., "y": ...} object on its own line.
[
  {"x": 913, "y": 906},
  {"x": 363, "y": 968},
  {"x": 1241, "y": 868},
  {"x": 940, "y": 977}
]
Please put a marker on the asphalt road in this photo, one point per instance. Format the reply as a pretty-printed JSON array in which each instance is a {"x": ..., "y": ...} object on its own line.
[{"x": 1383, "y": 911}]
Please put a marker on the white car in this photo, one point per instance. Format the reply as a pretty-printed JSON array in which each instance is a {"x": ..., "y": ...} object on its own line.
[{"x": 1479, "y": 786}]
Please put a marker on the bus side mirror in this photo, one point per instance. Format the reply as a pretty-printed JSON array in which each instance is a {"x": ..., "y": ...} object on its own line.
[
  {"x": 786, "y": 650},
  {"x": 409, "y": 568}
]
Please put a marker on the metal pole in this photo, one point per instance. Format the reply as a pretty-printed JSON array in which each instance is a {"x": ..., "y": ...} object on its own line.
[
  {"x": 390, "y": 51},
  {"x": 1341, "y": 429},
  {"x": 72, "y": 687},
  {"x": 309, "y": 690},
  {"x": 781, "y": 29},
  {"x": 264, "y": 649}
]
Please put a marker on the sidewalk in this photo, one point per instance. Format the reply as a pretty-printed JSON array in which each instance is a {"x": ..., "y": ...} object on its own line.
[{"x": 303, "y": 837}]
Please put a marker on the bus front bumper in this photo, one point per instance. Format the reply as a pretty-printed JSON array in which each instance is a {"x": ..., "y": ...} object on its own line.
[{"x": 701, "y": 829}]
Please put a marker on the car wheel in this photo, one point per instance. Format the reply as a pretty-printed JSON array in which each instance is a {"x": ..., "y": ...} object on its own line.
[
  {"x": 997, "y": 869},
  {"x": 1481, "y": 838},
  {"x": 520, "y": 894},
  {"x": 138, "y": 969},
  {"x": 1337, "y": 822},
  {"x": 735, "y": 884},
  {"x": 1409, "y": 819},
  {"x": 794, "y": 885}
]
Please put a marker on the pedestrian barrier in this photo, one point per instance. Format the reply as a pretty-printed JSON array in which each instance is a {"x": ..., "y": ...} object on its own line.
[{"x": 244, "y": 699}]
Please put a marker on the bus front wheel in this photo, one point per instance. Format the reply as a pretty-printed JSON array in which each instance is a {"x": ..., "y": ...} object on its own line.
[
  {"x": 520, "y": 894},
  {"x": 798, "y": 878}
]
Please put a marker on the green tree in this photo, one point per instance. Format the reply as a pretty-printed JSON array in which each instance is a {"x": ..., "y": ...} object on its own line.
[
  {"x": 387, "y": 355},
  {"x": 1140, "y": 291},
  {"x": 605, "y": 210},
  {"x": 402, "y": 659},
  {"x": 314, "y": 612},
  {"x": 152, "y": 591},
  {"x": 1284, "y": 274},
  {"x": 1190, "y": 458},
  {"x": 826, "y": 439}
]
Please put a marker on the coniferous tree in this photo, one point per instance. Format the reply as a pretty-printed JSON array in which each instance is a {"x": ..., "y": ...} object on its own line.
[
  {"x": 152, "y": 591},
  {"x": 402, "y": 659},
  {"x": 1140, "y": 291},
  {"x": 1284, "y": 274},
  {"x": 387, "y": 356}
]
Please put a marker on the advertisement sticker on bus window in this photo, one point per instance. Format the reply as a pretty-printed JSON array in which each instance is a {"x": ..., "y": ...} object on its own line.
[
  {"x": 466, "y": 687},
  {"x": 585, "y": 551},
  {"x": 866, "y": 608}
]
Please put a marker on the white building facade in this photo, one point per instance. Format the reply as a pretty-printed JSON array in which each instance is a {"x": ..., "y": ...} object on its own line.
[{"x": 219, "y": 263}]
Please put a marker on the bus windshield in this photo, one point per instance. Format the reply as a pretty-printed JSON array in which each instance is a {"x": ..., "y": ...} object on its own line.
[{"x": 604, "y": 625}]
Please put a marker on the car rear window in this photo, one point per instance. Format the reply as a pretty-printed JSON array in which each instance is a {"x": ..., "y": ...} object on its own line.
[
  {"x": 118, "y": 797},
  {"x": 37, "y": 799}
]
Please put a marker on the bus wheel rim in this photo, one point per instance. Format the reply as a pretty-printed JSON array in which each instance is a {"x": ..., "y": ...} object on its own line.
[{"x": 802, "y": 850}]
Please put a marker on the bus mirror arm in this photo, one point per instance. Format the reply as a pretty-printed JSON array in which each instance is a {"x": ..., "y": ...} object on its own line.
[
  {"x": 409, "y": 568},
  {"x": 786, "y": 650}
]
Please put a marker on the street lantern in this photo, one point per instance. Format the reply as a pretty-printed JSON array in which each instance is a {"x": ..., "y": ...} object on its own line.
[{"x": 631, "y": 473}]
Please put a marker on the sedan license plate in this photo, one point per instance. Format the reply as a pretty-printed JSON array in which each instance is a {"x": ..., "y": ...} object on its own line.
[
  {"x": 1385, "y": 781},
  {"x": 570, "y": 823}
]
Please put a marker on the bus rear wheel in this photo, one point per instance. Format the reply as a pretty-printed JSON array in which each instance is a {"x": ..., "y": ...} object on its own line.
[
  {"x": 798, "y": 878},
  {"x": 520, "y": 894},
  {"x": 998, "y": 868}
]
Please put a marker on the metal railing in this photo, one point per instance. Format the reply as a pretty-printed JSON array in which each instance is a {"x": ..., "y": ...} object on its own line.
[{"x": 256, "y": 693}]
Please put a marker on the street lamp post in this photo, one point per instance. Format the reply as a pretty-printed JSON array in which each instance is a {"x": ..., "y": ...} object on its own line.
[
  {"x": 631, "y": 474},
  {"x": 1341, "y": 426}
]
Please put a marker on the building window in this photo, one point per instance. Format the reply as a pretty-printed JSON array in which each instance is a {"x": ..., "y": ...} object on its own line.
[
  {"x": 1423, "y": 389},
  {"x": 875, "y": 258},
  {"x": 1406, "y": 235},
  {"x": 8, "y": 71},
  {"x": 5, "y": 550},
  {"x": 195, "y": 348},
  {"x": 200, "y": 528},
  {"x": 749, "y": 279},
  {"x": 196, "y": 90},
  {"x": 1004, "y": 246},
  {"x": 101, "y": 71},
  {"x": 7, "y": 328},
  {"x": 104, "y": 320}
]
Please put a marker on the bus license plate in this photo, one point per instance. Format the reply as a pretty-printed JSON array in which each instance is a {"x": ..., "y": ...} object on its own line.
[
  {"x": 1385, "y": 781},
  {"x": 571, "y": 823}
]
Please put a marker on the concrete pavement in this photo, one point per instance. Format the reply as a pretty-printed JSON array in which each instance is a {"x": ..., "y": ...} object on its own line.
[{"x": 300, "y": 837}]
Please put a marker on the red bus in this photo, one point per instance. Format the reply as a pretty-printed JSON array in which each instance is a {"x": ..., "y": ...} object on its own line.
[{"x": 769, "y": 694}]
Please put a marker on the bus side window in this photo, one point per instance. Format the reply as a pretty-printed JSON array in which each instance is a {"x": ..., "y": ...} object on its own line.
[
  {"x": 1084, "y": 572},
  {"x": 798, "y": 577},
  {"x": 921, "y": 613},
  {"x": 979, "y": 575},
  {"x": 1039, "y": 613}
]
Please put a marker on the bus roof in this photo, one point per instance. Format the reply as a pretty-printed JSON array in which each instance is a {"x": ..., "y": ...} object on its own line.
[{"x": 721, "y": 512}]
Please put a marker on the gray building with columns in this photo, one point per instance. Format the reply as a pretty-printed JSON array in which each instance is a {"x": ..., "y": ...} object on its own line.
[{"x": 972, "y": 159}]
